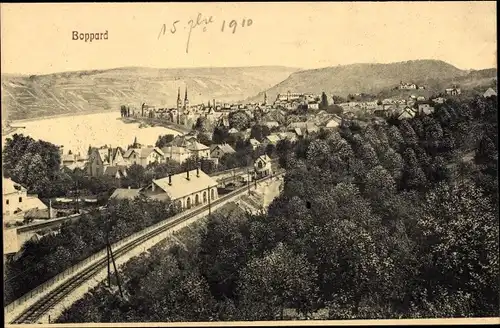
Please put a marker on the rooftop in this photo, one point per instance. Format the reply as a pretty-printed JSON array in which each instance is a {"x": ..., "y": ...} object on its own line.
[
  {"x": 122, "y": 193},
  {"x": 9, "y": 186},
  {"x": 182, "y": 187}
]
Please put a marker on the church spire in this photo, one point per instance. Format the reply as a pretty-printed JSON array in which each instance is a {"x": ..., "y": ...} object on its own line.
[
  {"x": 186, "y": 101},
  {"x": 179, "y": 101}
]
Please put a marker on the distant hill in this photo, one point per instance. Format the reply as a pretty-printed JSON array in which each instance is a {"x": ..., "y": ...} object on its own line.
[
  {"x": 376, "y": 78},
  {"x": 100, "y": 90}
]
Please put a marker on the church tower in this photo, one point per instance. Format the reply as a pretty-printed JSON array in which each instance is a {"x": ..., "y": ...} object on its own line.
[
  {"x": 179, "y": 102},
  {"x": 265, "y": 98},
  {"x": 186, "y": 101}
]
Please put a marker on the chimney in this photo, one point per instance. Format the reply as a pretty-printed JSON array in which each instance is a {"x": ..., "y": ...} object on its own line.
[
  {"x": 187, "y": 177},
  {"x": 170, "y": 179},
  {"x": 198, "y": 172}
]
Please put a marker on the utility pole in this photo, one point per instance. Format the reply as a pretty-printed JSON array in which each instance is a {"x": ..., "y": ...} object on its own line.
[
  {"x": 110, "y": 254},
  {"x": 116, "y": 271},
  {"x": 77, "y": 197},
  {"x": 248, "y": 182},
  {"x": 109, "y": 264},
  {"x": 209, "y": 203}
]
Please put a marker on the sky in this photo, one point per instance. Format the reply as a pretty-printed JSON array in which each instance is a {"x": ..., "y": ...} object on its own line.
[{"x": 37, "y": 38}]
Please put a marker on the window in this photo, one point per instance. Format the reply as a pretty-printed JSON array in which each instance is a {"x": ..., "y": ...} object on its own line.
[
  {"x": 212, "y": 194},
  {"x": 197, "y": 199},
  {"x": 188, "y": 203},
  {"x": 7, "y": 202},
  {"x": 20, "y": 199},
  {"x": 204, "y": 197}
]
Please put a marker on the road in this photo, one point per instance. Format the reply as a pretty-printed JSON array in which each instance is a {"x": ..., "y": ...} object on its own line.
[{"x": 60, "y": 292}]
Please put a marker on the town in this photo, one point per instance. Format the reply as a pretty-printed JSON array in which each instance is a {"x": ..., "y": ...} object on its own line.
[
  {"x": 214, "y": 138},
  {"x": 274, "y": 165}
]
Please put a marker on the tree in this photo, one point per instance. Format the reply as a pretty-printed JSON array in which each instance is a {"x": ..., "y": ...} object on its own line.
[
  {"x": 413, "y": 176},
  {"x": 239, "y": 120},
  {"x": 324, "y": 101},
  {"x": 136, "y": 174},
  {"x": 409, "y": 135},
  {"x": 221, "y": 135},
  {"x": 468, "y": 264},
  {"x": 164, "y": 140},
  {"x": 393, "y": 162},
  {"x": 259, "y": 132},
  {"x": 222, "y": 252},
  {"x": 380, "y": 184},
  {"x": 201, "y": 124},
  {"x": 279, "y": 280}
]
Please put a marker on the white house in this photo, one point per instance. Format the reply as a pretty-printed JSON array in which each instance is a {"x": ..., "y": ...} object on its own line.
[
  {"x": 176, "y": 154},
  {"x": 313, "y": 105},
  {"x": 334, "y": 122},
  {"x": 425, "y": 108},
  {"x": 262, "y": 166},
  {"x": 439, "y": 100},
  {"x": 255, "y": 143},
  {"x": 187, "y": 189},
  {"x": 144, "y": 156},
  {"x": 490, "y": 92},
  {"x": 16, "y": 201},
  {"x": 199, "y": 150}
]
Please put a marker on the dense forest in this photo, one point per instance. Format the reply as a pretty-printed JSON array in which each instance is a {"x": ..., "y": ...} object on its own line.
[{"x": 388, "y": 221}]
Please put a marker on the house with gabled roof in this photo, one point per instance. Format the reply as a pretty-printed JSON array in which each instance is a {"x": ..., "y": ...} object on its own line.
[
  {"x": 176, "y": 154},
  {"x": 218, "y": 151},
  {"x": 199, "y": 150},
  {"x": 406, "y": 113},
  {"x": 116, "y": 171},
  {"x": 262, "y": 166},
  {"x": 490, "y": 92},
  {"x": 255, "y": 143},
  {"x": 144, "y": 156},
  {"x": 16, "y": 201},
  {"x": 271, "y": 139},
  {"x": 188, "y": 189},
  {"x": 100, "y": 158}
]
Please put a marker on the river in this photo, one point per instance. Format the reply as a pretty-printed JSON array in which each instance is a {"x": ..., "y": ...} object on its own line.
[{"x": 76, "y": 133}]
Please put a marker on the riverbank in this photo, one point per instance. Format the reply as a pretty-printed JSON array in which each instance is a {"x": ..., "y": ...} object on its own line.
[
  {"x": 157, "y": 122},
  {"x": 48, "y": 117}
]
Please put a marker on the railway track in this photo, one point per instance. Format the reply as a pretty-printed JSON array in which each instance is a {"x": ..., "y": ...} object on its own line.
[{"x": 52, "y": 298}]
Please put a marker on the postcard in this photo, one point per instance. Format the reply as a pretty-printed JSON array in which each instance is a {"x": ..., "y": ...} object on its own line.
[{"x": 247, "y": 164}]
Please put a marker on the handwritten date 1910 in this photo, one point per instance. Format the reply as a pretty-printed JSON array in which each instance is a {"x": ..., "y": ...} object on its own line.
[
  {"x": 203, "y": 22},
  {"x": 233, "y": 24}
]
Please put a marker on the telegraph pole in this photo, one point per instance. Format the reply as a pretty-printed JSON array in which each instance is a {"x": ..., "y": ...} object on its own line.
[
  {"x": 110, "y": 254},
  {"x": 77, "y": 198},
  {"x": 109, "y": 267},
  {"x": 248, "y": 182},
  {"x": 116, "y": 271},
  {"x": 209, "y": 203}
]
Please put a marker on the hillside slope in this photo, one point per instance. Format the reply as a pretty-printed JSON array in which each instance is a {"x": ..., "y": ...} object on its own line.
[
  {"x": 69, "y": 92},
  {"x": 375, "y": 78}
]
